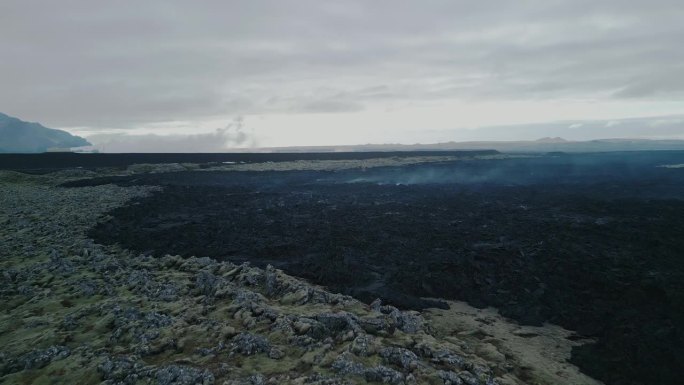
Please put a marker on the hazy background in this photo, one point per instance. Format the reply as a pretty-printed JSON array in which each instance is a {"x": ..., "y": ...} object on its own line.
[{"x": 214, "y": 74}]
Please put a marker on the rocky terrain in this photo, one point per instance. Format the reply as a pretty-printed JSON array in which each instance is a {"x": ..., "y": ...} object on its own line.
[
  {"x": 77, "y": 312},
  {"x": 590, "y": 242},
  {"x": 54, "y": 161}
]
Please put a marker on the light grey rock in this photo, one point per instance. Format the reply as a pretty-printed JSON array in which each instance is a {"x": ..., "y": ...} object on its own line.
[
  {"x": 183, "y": 375},
  {"x": 377, "y": 325},
  {"x": 26, "y": 290},
  {"x": 205, "y": 283},
  {"x": 60, "y": 264},
  {"x": 211, "y": 351},
  {"x": 450, "y": 360},
  {"x": 407, "y": 322},
  {"x": 312, "y": 328},
  {"x": 36, "y": 359},
  {"x": 88, "y": 288},
  {"x": 469, "y": 378},
  {"x": 69, "y": 323},
  {"x": 449, "y": 378},
  {"x": 344, "y": 364},
  {"x": 247, "y": 297},
  {"x": 339, "y": 322},
  {"x": 167, "y": 292},
  {"x": 401, "y": 357},
  {"x": 11, "y": 274},
  {"x": 376, "y": 305},
  {"x": 138, "y": 279},
  {"x": 384, "y": 375},
  {"x": 122, "y": 370},
  {"x": 137, "y": 327},
  {"x": 276, "y": 354},
  {"x": 249, "y": 344},
  {"x": 362, "y": 345}
]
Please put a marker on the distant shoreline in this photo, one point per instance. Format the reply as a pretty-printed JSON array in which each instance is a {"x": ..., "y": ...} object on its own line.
[{"x": 60, "y": 160}]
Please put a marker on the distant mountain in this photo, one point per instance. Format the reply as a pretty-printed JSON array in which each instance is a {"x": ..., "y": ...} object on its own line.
[
  {"x": 541, "y": 145},
  {"x": 19, "y": 136},
  {"x": 551, "y": 140}
]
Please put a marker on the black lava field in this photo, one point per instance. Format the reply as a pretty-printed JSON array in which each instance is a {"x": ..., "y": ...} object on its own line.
[{"x": 592, "y": 242}]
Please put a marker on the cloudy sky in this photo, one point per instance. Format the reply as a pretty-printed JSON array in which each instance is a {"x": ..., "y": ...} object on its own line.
[{"x": 286, "y": 72}]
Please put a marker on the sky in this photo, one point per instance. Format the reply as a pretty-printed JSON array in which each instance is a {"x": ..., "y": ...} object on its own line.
[{"x": 216, "y": 74}]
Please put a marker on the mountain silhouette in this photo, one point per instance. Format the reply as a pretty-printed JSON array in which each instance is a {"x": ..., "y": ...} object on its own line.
[{"x": 25, "y": 137}]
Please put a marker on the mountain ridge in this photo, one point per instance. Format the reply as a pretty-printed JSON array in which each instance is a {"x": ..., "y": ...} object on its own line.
[
  {"x": 18, "y": 136},
  {"x": 545, "y": 144}
]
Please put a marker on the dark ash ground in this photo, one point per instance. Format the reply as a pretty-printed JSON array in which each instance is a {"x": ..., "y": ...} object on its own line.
[{"x": 592, "y": 242}]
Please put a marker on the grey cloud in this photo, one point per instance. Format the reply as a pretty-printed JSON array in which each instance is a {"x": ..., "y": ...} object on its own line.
[
  {"x": 670, "y": 127},
  {"x": 331, "y": 105},
  {"x": 78, "y": 62},
  {"x": 220, "y": 140},
  {"x": 653, "y": 85}
]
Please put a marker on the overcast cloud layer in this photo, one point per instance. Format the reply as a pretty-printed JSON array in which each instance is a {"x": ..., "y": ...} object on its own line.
[{"x": 313, "y": 68}]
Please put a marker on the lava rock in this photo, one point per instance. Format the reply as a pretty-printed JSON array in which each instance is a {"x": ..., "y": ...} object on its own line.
[
  {"x": 250, "y": 344},
  {"x": 183, "y": 375},
  {"x": 36, "y": 359},
  {"x": 401, "y": 357}
]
